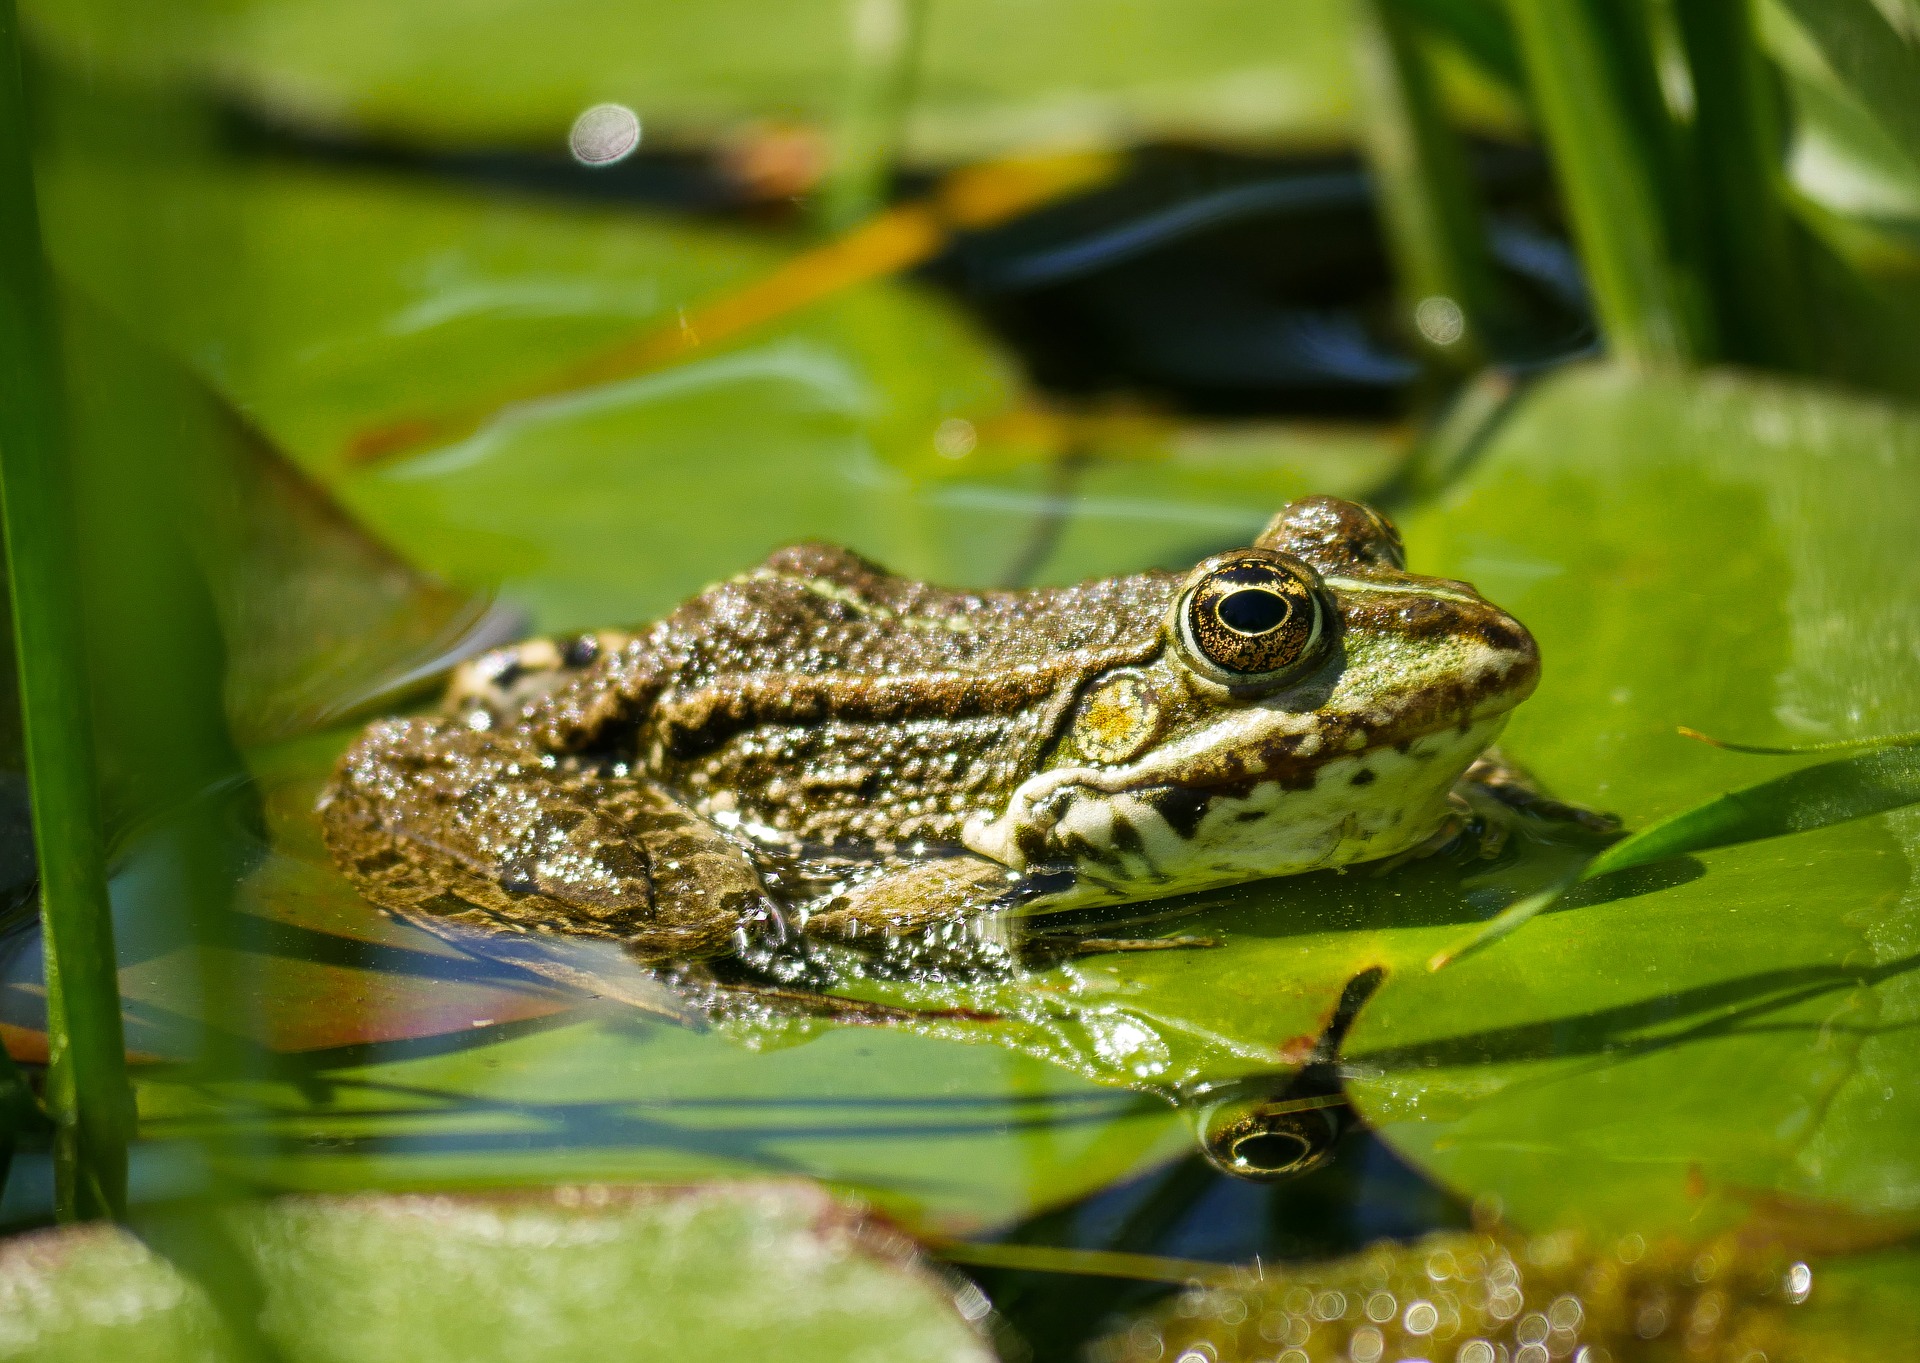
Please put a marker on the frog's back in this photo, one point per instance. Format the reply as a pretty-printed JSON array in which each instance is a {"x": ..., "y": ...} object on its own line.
[{"x": 820, "y": 696}]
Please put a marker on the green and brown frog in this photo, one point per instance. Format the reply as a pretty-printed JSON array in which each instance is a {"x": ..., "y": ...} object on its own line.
[{"x": 817, "y": 750}]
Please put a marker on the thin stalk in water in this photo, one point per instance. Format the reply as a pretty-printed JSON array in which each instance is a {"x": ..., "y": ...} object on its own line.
[
  {"x": 1434, "y": 228},
  {"x": 87, "y": 1093},
  {"x": 1751, "y": 261},
  {"x": 1590, "y": 69},
  {"x": 886, "y": 41}
]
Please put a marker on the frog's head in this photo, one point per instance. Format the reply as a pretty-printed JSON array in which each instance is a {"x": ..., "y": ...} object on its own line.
[{"x": 1311, "y": 705}]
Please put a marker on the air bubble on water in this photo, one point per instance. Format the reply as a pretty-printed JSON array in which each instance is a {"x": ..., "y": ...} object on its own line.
[
  {"x": 604, "y": 134},
  {"x": 955, "y": 438},
  {"x": 1440, "y": 320}
]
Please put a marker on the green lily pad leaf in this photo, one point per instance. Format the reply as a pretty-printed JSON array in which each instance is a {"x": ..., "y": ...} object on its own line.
[
  {"x": 367, "y": 301},
  {"x": 740, "y": 1270},
  {"x": 1732, "y": 555},
  {"x": 518, "y": 74},
  {"x": 1888, "y": 777},
  {"x": 1799, "y": 802}
]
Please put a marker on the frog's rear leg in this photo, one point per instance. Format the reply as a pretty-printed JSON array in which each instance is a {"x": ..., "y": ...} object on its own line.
[
  {"x": 953, "y": 912},
  {"x": 513, "y": 856},
  {"x": 435, "y": 820}
]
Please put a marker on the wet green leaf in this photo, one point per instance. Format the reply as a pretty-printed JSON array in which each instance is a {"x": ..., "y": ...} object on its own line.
[
  {"x": 1730, "y": 555},
  {"x": 1885, "y": 778},
  {"x": 744, "y": 1270},
  {"x": 335, "y": 303},
  {"x": 517, "y": 74}
]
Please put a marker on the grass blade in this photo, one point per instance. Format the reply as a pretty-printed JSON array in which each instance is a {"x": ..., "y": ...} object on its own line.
[
  {"x": 1590, "y": 70},
  {"x": 1873, "y": 782},
  {"x": 1871, "y": 57},
  {"x": 887, "y": 36},
  {"x": 1433, "y": 223},
  {"x": 1839, "y": 745},
  {"x": 1479, "y": 28},
  {"x": 88, "y": 1097},
  {"x": 1750, "y": 260}
]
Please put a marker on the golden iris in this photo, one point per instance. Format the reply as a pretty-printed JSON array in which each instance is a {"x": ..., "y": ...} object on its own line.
[{"x": 1255, "y": 615}]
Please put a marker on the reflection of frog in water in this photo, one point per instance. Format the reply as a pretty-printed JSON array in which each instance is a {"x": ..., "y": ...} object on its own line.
[{"x": 818, "y": 750}]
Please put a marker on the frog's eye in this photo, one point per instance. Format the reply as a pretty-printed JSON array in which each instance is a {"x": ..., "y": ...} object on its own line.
[{"x": 1253, "y": 617}]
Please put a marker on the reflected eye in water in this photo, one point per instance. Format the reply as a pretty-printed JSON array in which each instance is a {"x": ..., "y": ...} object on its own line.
[
  {"x": 1253, "y": 617},
  {"x": 1269, "y": 1140}
]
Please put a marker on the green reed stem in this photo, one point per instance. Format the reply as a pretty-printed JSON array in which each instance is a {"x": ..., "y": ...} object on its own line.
[
  {"x": 1751, "y": 263},
  {"x": 886, "y": 39},
  {"x": 1480, "y": 31},
  {"x": 87, "y": 1094},
  {"x": 1590, "y": 70},
  {"x": 1433, "y": 223}
]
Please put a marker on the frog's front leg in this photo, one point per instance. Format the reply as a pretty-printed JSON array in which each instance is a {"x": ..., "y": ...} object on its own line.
[
  {"x": 438, "y": 821},
  {"x": 964, "y": 896},
  {"x": 1494, "y": 778}
]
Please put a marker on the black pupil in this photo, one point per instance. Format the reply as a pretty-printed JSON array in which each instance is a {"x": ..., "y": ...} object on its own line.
[{"x": 1252, "y": 611}]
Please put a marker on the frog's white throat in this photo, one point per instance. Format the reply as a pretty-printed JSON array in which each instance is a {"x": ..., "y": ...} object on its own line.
[{"x": 1127, "y": 836}]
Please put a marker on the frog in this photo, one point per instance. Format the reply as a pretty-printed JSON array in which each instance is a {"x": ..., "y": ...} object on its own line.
[{"x": 820, "y": 751}]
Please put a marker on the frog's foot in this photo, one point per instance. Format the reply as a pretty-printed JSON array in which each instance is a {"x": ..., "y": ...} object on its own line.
[
  {"x": 1508, "y": 786},
  {"x": 436, "y": 820},
  {"x": 1464, "y": 834}
]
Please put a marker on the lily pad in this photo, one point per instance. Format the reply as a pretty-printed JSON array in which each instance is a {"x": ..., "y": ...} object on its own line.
[
  {"x": 1732, "y": 555},
  {"x": 518, "y": 74},
  {"x": 323, "y": 305},
  {"x": 769, "y": 1270}
]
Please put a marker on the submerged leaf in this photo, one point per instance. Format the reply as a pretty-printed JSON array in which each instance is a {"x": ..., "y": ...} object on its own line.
[{"x": 721, "y": 1271}]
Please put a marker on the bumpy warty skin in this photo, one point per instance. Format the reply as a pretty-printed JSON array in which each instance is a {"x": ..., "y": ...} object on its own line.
[
  {"x": 673, "y": 782},
  {"x": 827, "y": 699}
]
